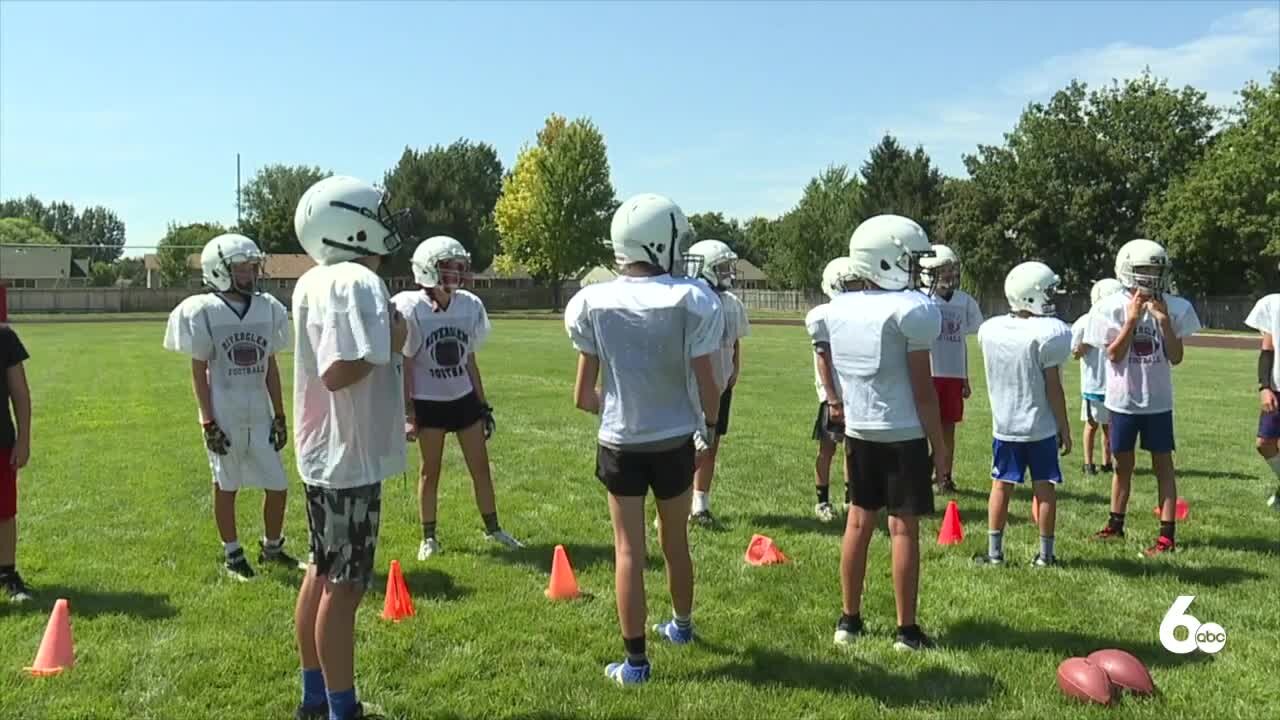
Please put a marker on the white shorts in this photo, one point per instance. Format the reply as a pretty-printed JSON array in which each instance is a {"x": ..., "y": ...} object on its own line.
[
  {"x": 1094, "y": 410},
  {"x": 257, "y": 466}
]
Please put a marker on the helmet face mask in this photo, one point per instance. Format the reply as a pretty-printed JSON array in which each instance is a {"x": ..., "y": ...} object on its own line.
[
  {"x": 453, "y": 272},
  {"x": 395, "y": 223},
  {"x": 1032, "y": 287},
  {"x": 245, "y": 273},
  {"x": 341, "y": 218},
  {"x": 1144, "y": 265}
]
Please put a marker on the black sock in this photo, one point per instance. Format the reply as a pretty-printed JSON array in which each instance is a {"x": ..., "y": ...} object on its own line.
[
  {"x": 429, "y": 530},
  {"x": 824, "y": 494},
  {"x": 635, "y": 651},
  {"x": 490, "y": 522},
  {"x": 909, "y": 630},
  {"x": 7, "y": 570},
  {"x": 851, "y": 622},
  {"x": 1116, "y": 522},
  {"x": 1166, "y": 530}
]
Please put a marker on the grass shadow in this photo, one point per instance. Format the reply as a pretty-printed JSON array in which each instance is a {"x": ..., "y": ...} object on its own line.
[
  {"x": 91, "y": 603},
  {"x": 1198, "y": 473},
  {"x": 799, "y": 523},
  {"x": 1261, "y": 546},
  {"x": 927, "y": 686},
  {"x": 538, "y": 556},
  {"x": 973, "y": 633},
  {"x": 1209, "y": 577},
  {"x": 431, "y": 584}
]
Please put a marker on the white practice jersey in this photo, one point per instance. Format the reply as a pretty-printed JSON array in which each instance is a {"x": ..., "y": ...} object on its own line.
[
  {"x": 646, "y": 331},
  {"x": 736, "y": 327},
  {"x": 1265, "y": 318},
  {"x": 949, "y": 356},
  {"x": 237, "y": 343},
  {"x": 1093, "y": 368},
  {"x": 440, "y": 343},
  {"x": 353, "y": 436},
  {"x": 1141, "y": 383},
  {"x": 1016, "y": 352}
]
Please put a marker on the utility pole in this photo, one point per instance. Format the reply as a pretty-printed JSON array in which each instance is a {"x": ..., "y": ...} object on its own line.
[{"x": 237, "y": 189}]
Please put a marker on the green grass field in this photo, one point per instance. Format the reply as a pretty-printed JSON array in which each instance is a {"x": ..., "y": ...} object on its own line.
[{"x": 116, "y": 516}]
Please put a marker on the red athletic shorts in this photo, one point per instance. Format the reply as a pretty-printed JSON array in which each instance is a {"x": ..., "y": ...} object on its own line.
[
  {"x": 950, "y": 398},
  {"x": 8, "y": 486}
]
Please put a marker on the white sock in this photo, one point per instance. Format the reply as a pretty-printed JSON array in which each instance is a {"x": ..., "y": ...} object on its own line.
[
  {"x": 272, "y": 545},
  {"x": 1274, "y": 462},
  {"x": 701, "y": 501},
  {"x": 231, "y": 547}
]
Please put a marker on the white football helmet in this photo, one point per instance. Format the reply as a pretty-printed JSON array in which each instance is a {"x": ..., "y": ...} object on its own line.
[
  {"x": 1032, "y": 286},
  {"x": 836, "y": 275},
  {"x": 941, "y": 273},
  {"x": 341, "y": 218},
  {"x": 718, "y": 263},
  {"x": 440, "y": 261},
  {"x": 1103, "y": 289},
  {"x": 1144, "y": 264},
  {"x": 887, "y": 249},
  {"x": 652, "y": 229},
  {"x": 221, "y": 254}
]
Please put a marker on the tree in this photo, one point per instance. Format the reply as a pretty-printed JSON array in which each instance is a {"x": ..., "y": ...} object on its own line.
[
  {"x": 450, "y": 191},
  {"x": 178, "y": 244},
  {"x": 268, "y": 202},
  {"x": 816, "y": 230},
  {"x": 902, "y": 183},
  {"x": 556, "y": 205},
  {"x": 21, "y": 231},
  {"x": 1220, "y": 218},
  {"x": 131, "y": 269},
  {"x": 102, "y": 274},
  {"x": 714, "y": 226},
  {"x": 95, "y": 226}
]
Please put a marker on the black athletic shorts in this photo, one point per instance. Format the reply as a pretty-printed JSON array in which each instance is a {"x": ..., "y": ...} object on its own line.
[
  {"x": 669, "y": 473},
  {"x": 448, "y": 415},
  {"x": 726, "y": 399},
  {"x": 894, "y": 475}
]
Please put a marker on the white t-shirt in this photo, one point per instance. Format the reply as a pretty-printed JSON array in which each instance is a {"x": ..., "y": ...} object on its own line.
[
  {"x": 1265, "y": 318},
  {"x": 1093, "y": 369},
  {"x": 870, "y": 333},
  {"x": 646, "y": 330},
  {"x": 736, "y": 327},
  {"x": 1016, "y": 352},
  {"x": 439, "y": 344},
  {"x": 1141, "y": 383},
  {"x": 354, "y": 436},
  {"x": 949, "y": 356},
  {"x": 237, "y": 343}
]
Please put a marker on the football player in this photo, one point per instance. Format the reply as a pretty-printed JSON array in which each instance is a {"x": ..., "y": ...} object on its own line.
[
  {"x": 877, "y": 341},
  {"x": 347, "y": 399},
  {"x": 15, "y": 451},
  {"x": 949, "y": 357},
  {"x": 718, "y": 265},
  {"x": 1265, "y": 318},
  {"x": 1142, "y": 330},
  {"x": 826, "y": 432},
  {"x": 443, "y": 390},
  {"x": 1093, "y": 381},
  {"x": 232, "y": 334},
  {"x": 655, "y": 336},
  {"x": 1022, "y": 353}
]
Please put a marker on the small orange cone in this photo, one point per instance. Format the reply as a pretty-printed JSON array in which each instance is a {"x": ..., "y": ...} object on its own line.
[
  {"x": 951, "y": 532},
  {"x": 762, "y": 551},
  {"x": 398, "y": 605},
  {"x": 563, "y": 586},
  {"x": 1181, "y": 509},
  {"x": 57, "y": 651}
]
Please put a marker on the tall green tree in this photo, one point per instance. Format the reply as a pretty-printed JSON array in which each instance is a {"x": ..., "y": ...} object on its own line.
[
  {"x": 21, "y": 231},
  {"x": 556, "y": 205},
  {"x": 902, "y": 183},
  {"x": 451, "y": 191},
  {"x": 715, "y": 226},
  {"x": 816, "y": 230},
  {"x": 268, "y": 202},
  {"x": 177, "y": 246},
  {"x": 96, "y": 226}
]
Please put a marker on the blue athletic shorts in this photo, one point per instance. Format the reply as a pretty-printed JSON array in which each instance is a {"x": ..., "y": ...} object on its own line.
[{"x": 1010, "y": 461}]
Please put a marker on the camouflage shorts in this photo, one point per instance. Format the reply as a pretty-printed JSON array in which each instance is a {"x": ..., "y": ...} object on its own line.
[{"x": 343, "y": 524}]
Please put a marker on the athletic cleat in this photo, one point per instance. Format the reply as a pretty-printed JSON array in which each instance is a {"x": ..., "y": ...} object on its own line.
[
  {"x": 825, "y": 512},
  {"x": 671, "y": 632},
  {"x": 1274, "y": 502},
  {"x": 1089, "y": 469},
  {"x": 1109, "y": 533},
  {"x": 278, "y": 557},
  {"x": 703, "y": 518},
  {"x": 912, "y": 639},
  {"x": 948, "y": 486},
  {"x": 1040, "y": 561},
  {"x": 1161, "y": 546},
  {"x": 368, "y": 712},
  {"x": 429, "y": 547},
  {"x": 315, "y": 712},
  {"x": 237, "y": 567},
  {"x": 1108, "y": 468},
  {"x": 13, "y": 586},
  {"x": 502, "y": 538},
  {"x": 624, "y": 673},
  {"x": 847, "y": 631},
  {"x": 987, "y": 560}
]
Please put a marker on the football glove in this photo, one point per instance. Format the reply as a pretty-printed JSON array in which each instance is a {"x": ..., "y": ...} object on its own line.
[
  {"x": 279, "y": 433},
  {"x": 489, "y": 424},
  {"x": 215, "y": 439},
  {"x": 703, "y": 439}
]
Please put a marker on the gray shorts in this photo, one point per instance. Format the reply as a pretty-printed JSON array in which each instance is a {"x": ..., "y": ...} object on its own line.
[{"x": 343, "y": 526}]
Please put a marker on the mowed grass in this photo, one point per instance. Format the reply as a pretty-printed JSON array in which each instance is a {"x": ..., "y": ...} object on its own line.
[{"x": 116, "y": 516}]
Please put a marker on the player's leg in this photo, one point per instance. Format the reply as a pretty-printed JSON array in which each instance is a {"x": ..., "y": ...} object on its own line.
[
  {"x": 315, "y": 703},
  {"x": 1107, "y": 459},
  {"x": 1157, "y": 438},
  {"x": 1008, "y": 469},
  {"x": 950, "y": 411},
  {"x": 947, "y": 484},
  {"x": 1046, "y": 475},
  {"x": 1090, "y": 433},
  {"x": 1269, "y": 449},
  {"x": 705, "y": 471},
  {"x": 672, "y": 478},
  {"x": 909, "y": 496},
  {"x": 1124, "y": 441},
  {"x": 275, "y": 498},
  {"x": 475, "y": 451},
  {"x": 823, "y": 510},
  {"x": 11, "y": 583},
  {"x": 627, "y": 484},
  {"x": 431, "y": 448},
  {"x": 866, "y": 498}
]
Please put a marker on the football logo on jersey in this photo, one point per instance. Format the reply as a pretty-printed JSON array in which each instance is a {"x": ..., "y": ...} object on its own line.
[
  {"x": 447, "y": 352},
  {"x": 1145, "y": 345},
  {"x": 447, "y": 347},
  {"x": 245, "y": 351},
  {"x": 950, "y": 326}
]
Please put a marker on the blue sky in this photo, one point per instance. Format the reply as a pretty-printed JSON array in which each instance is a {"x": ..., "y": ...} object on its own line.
[{"x": 722, "y": 106}]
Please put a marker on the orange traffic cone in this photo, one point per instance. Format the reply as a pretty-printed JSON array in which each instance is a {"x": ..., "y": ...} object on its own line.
[
  {"x": 57, "y": 651},
  {"x": 563, "y": 586},
  {"x": 1181, "y": 509},
  {"x": 398, "y": 605},
  {"x": 762, "y": 551},
  {"x": 951, "y": 532}
]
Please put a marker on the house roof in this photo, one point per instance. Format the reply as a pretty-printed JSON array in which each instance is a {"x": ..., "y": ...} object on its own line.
[
  {"x": 286, "y": 266},
  {"x": 748, "y": 271}
]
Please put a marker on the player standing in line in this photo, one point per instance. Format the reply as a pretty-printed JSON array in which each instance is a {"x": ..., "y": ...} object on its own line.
[
  {"x": 949, "y": 357},
  {"x": 1265, "y": 318},
  {"x": 443, "y": 390},
  {"x": 15, "y": 450},
  {"x": 232, "y": 334},
  {"x": 654, "y": 335},
  {"x": 877, "y": 340},
  {"x": 718, "y": 267},
  {"x": 1093, "y": 381},
  {"x": 1022, "y": 353},
  {"x": 1142, "y": 330},
  {"x": 347, "y": 399},
  {"x": 827, "y": 432}
]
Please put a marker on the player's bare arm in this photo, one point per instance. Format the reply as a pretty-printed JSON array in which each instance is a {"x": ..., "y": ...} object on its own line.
[
  {"x": 1058, "y": 401},
  {"x": 737, "y": 362},
  {"x": 1119, "y": 348},
  {"x": 473, "y": 370},
  {"x": 344, "y": 373},
  {"x": 200, "y": 386},
  {"x": 585, "y": 395},
  {"x": 835, "y": 404},
  {"x": 20, "y": 398},
  {"x": 708, "y": 393},
  {"x": 926, "y": 399},
  {"x": 1266, "y": 360},
  {"x": 1172, "y": 343},
  {"x": 274, "y": 387}
]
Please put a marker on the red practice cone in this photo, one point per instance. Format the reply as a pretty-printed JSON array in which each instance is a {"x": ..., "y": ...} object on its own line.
[
  {"x": 951, "y": 532},
  {"x": 763, "y": 551},
  {"x": 397, "y": 605},
  {"x": 57, "y": 651},
  {"x": 563, "y": 585},
  {"x": 1181, "y": 509}
]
